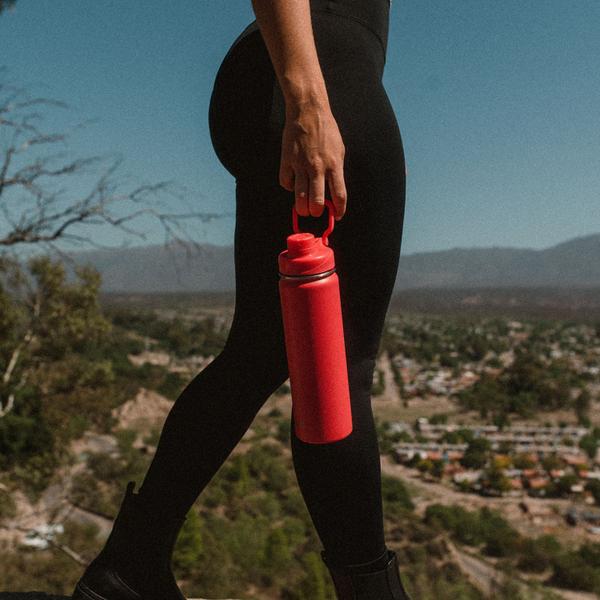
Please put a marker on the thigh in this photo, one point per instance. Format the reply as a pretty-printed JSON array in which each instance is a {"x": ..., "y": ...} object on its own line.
[{"x": 263, "y": 221}]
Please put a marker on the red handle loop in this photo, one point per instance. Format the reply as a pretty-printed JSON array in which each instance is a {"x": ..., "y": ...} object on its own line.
[{"x": 330, "y": 207}]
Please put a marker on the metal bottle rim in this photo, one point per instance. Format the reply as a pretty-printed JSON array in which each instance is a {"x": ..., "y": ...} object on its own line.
[{"x": 308, "y": 277}]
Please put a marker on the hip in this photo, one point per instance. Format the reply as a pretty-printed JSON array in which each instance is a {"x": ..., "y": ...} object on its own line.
[{"x": 247, "y": 107}]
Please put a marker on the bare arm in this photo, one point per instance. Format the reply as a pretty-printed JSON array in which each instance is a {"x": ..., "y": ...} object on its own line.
[{"x": 312, "y": 148}]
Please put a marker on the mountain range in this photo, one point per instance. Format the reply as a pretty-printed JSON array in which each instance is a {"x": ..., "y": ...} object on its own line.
[{"x": 177, "y": 267}]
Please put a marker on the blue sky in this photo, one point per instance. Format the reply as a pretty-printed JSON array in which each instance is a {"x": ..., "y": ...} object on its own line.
[{"x": 497, "y": 103}]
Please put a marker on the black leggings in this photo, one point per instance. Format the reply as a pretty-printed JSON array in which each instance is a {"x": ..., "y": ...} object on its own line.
[{"x": 340, "y": 481}]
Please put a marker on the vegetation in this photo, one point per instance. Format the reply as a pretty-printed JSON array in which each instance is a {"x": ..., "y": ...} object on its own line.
[
  {"x": 176, "y": 336},
  {"x": 66, "y": 368},
  {"x": 489, "y": 532},
  {"x": 69, "y": 365}
]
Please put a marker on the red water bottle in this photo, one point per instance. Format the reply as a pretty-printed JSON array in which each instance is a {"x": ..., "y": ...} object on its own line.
[{"x": 314, "y": 336}]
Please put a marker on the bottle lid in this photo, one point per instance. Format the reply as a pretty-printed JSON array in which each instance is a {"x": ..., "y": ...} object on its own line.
[
  {"x": 299, "y": 244},
  {"x": 307, "y": 254}
]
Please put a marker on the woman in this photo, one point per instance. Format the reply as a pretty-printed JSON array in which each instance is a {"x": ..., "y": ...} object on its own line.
[{"x": 298, "y": 113}]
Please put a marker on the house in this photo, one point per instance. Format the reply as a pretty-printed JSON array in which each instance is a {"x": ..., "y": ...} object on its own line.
[{"x": 538, "y": 483}]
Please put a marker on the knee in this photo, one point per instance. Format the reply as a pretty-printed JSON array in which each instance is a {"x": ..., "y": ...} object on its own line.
[
  {"x": 360, "y": 372},
  {"x": 257, "y": 367}
]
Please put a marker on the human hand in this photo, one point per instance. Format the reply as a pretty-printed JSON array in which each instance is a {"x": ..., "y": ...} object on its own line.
[{"x": 312, "y": 152}]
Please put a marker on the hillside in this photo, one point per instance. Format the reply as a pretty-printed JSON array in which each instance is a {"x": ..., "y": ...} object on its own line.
[{"x": 175, "y": 268}]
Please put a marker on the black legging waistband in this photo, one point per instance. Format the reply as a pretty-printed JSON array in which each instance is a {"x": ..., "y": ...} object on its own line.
[{"x": 373, "y": 14}]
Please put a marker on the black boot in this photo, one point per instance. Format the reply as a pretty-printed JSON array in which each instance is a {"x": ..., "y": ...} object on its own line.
[
  {"x": 135, "y": 563},
  {"x": 355, "y": 582}
]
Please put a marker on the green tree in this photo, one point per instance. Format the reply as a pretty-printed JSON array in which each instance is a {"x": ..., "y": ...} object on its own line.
[
  {"x": 571, "y": 571},
  {"x": 44, "y": 322},
  {"x": 551, "y": 461},
  {"x": 582, "y": 406},
  {"x": 278, "y": 553},
  {"x": 501, "y": 540},
  {"x": 476, "y": 454},
  {"x": 591, "y": 554},
  {"x": 47, "y": 327},
  {"x": 536, "y": 555},
  {"x": 425, "y": 465},
  {"x": 395, "y": 493},
  {"x": 437, "y": 468},
  {"x": 314, "y": 585},
  {"x": 495, "y": 479},
  {"x": 593, "y": 486},
  {"x": 189, "y": 547},
  {"x": 589, "y": 444},
  {"x": 562, "y": 487},
  {"x": 239, "y": 474}
]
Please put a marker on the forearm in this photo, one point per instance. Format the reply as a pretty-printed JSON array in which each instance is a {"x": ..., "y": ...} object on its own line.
[{"x": 286, "y": 27}]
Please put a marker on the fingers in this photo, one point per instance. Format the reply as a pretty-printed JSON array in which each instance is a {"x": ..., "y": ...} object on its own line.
[
  {"x": 306, "y": 169},
  {"x": 317, "y": 193},
  {"x": 286, "y": 176},
  {"x": 309, "y": 193},
  {"x": 337, "y": 187},
  {"x": 312, "y": 158},
  {"x": 301, "y": 189}
]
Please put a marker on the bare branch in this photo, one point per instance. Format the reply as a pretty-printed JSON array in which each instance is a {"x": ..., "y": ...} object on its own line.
[
  {"x": 35, "y": 213},
  {"x": 4, "y": 4}
]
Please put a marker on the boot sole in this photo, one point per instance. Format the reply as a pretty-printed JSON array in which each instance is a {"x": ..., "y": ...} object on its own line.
[{"x": 82, "y": 592}]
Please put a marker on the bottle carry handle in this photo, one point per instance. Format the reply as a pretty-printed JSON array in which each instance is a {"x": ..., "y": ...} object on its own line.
[{"x": 324, "y": 237}]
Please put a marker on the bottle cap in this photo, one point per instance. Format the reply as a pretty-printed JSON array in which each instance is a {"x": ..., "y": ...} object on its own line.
[{"x": 307, "y": 254}]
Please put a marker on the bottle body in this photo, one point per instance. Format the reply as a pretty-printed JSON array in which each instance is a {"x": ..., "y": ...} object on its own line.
[{"x": 314, "y": 341}]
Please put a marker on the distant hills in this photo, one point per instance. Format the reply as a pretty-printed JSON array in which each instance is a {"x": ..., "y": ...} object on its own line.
[{"x": 169, "y": 268}]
